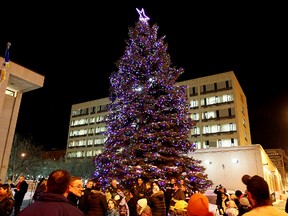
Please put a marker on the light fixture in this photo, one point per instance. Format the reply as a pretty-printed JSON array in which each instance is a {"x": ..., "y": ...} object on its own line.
[
  {"x": 208, "y": 162},
  {"x": 234, "y": 160}
]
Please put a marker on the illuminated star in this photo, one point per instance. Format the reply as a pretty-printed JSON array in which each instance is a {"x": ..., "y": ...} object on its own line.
[{"x": 142, "y": 17}]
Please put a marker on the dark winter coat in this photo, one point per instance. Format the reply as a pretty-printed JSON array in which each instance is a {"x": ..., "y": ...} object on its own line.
[
  {"x": 177, "y": 195},
  {"x": 96, "y": 204},
  {"x": 19, "y": 194},
  {"x": 157, "y": 203},
  {"x": 51, "y": 204},
  {"x": 83, "y": 199},
  {"x": 132, "y": 204},
  {"x": 139, "y": 191},
  {"x": 38, "y": 191},
  {"x": 73, "y": 199}
]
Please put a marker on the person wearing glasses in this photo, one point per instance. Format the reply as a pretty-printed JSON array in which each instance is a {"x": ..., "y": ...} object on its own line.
[
  {"x": 75, "y": 191},
  {"x": 54, "y": 201}
]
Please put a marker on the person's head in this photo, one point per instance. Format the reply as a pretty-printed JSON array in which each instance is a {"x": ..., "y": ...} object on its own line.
[
  {"x": 114, "y": 183},
  {"x": 173, "y": 180},
  {"x": 21, "y": 178},
  {"x": 183, "y": 187},
  {"x": 257, "y": 190},
  {"x": 198, "y": 204},
  {"x": 58, "y": 182},
  {"x": 44, "y": 182},
  {"x": 177, "y": 186},
  {"x": 148, "y": 184},
  {"x": 89, "y": 183},
  {"x": 97, "y": 186},
  {"x": 238, "y": 193},
  {"x": 5, "y": 190},
  {"x": 111, "y": 204},
  {"x": 76, "y": 185},
  {"x": 141, "y": 205},
  {"x": 155, "y": 189},
  {"x": 139, "y": 181}
]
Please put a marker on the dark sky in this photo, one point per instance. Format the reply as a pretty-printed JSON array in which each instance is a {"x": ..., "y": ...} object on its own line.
[{"x": 75, "y": 46}]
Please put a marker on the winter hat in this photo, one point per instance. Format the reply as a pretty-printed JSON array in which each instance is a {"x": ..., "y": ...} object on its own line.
[
  {"x": 180, "y": 205},
  {"x": 156, "y": 189},
  {"x": 142, "y": 202},
  {"x": 257, "y": 186},
  {"x": 198, "y": 205}
]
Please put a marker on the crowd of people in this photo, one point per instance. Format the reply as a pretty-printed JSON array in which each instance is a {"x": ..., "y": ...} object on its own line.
[{"x": 63, "y": 194}]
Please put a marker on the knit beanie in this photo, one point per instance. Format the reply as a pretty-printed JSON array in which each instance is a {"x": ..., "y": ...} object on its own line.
[
  {"x": 142, "y": 202},
  {"x": 198, "y": 205}
]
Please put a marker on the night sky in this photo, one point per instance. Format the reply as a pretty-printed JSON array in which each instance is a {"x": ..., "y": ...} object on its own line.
[{"x": 75, "y": 46}]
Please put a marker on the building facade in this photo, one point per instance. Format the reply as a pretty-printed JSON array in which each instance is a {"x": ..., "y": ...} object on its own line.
[{"x": 218, "y": 107}]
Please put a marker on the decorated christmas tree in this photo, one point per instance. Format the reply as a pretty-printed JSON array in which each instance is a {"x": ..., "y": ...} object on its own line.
[{"x": 148, "y": 122}]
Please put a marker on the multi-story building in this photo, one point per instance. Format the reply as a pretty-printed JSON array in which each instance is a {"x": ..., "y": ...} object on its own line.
[{"x": 218, "y": 107}]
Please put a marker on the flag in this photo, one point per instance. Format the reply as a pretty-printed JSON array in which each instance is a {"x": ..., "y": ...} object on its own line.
[
  {"x": 5, "y": 64},
  {"x": 6, "y": 57}
]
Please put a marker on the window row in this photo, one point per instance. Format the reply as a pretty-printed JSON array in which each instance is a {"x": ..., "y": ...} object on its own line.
[
  {"x": 216, "y": 143},
  {"x": 212, "y": 100},
  {"x": 81, "y": 154},
  {"x": 91, "y": 110},
  {"x": 210, "y": 129},
  {"x": 85, "y": 121},
  {"x": 89, "y": 131},
  {"x": 86, "y": 142}
]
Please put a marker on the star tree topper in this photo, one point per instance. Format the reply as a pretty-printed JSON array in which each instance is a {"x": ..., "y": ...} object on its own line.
[{"x": 143, "y": 17}]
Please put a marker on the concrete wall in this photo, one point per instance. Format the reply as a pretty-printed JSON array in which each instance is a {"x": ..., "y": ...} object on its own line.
[
  {"x": 18, "y": 81},
  {"x": 226, "y": 166}
]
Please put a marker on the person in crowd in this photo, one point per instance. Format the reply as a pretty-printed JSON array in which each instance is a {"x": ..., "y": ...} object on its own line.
[
  {"x": 132, "y": 204},
  {"x": 139, "y": 189},
  {"x": 177, "y": 195},
  {"x": 157, "y": 202},
  {"x": 54, "y": 201},
  {"x": 75, "y": 192},
  {"x": 96, "y": 202},
  {"x": 112, "y": 209},
  {"x": 85, "y": 193},
  {"x": 20, "y": 190},
  {"x": 112, "y": 190},
  {"x": 41, "y": 187},
  {"x": 168, "y": 191},
  {"x": 186, "y": 191},
  {"x": 179, "y": 209},
  {"x": 225, "y": 199},
  {"x": 149, "y": 191},
  {"x": 143, "y": 209},
  {"x": 6, "y": 200},
  {"x": 242, "y": 202},
  {"x": 198, "y": 204},
  {"x": 123, "y": 206},
  {"x": 219, "y": 190},
  {"x": 231, "y": 208},
  {"x": 259, "y": 197}
]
